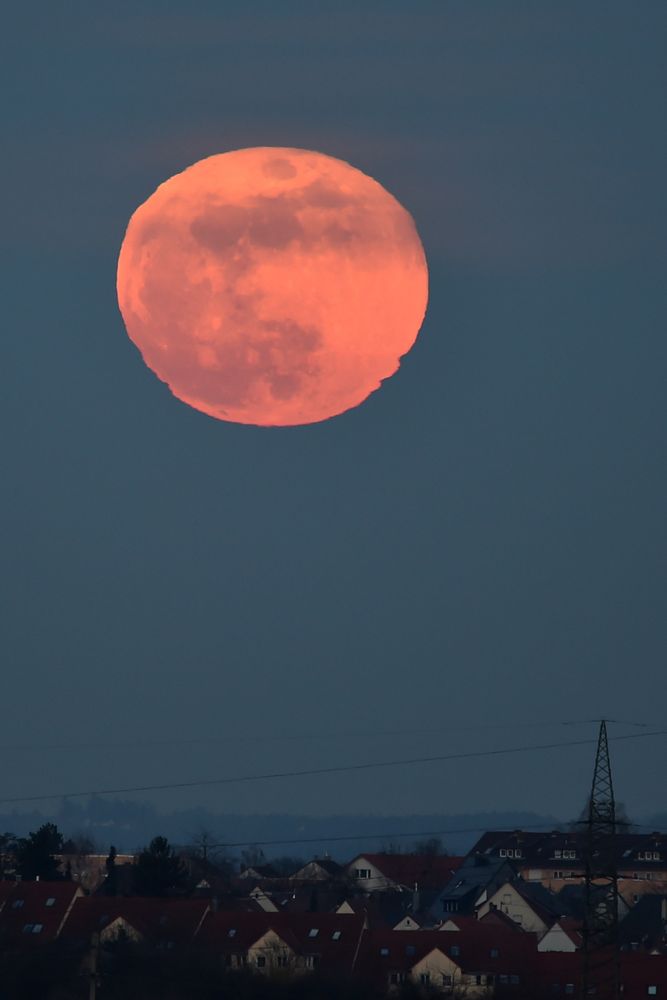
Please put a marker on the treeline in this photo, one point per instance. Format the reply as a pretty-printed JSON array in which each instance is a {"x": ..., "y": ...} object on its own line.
[
  {"x": 159, "y": 869},
  {"x": 128, "y": 824}
]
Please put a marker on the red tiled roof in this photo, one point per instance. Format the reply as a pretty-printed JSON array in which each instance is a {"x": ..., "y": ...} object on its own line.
[
  {"x": 428, "y": 871},
  {"x": 335, "y": 943},
  {"x": 34, "y": 912},
  {"x": 499, "y": 917},
  {"x": 475, "y": 948},
  {"x": 5, "y": 891},
  {"x": 572, "y": 928},
  {"x": 159, "y": 921}
]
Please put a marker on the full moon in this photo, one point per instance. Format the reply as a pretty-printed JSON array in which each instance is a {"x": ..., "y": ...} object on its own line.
[{"x": 272, "y": 286}]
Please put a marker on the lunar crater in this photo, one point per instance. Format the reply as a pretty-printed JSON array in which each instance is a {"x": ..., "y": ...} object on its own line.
[{"x": 273, "y": 287}]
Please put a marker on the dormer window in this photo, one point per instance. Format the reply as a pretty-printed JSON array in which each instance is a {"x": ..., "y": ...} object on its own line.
[
  {"x": 335, "y": 936},
  {"x": 313, "y": 932},
  {"x": 231, "y": 932}
]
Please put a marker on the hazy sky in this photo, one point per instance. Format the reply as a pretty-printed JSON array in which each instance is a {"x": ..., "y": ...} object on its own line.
[{"x": 476, "y": 554}]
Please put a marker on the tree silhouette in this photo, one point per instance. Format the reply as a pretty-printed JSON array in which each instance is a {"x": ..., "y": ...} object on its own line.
[
  {"x": 35, "y": 854},
  {"x": 111, "y": 880},
  {"x": 158, "y": 871}
]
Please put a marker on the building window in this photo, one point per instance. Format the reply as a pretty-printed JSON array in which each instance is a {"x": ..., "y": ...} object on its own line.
[
  {"x": 558, "y": 854},
  {"x": 261, "y": 961},
  {"x": 514, "y": 980},
  {"x": 446, "y": 979},
  {"x": 50, "y": 901},
  {"x": 313, "y": 932},
  {"x": 282, "y": 961},
  {"x": 478, "y": 980},
  {"x": 335, "y": 936},
  {"x": 424, "y": 978},
  {"x": 569, "y": 989},
  {"x": 362, "y": 873},
  {"x": 652, "y": 991},
  {"x": 518, "y": 853},
  {"x": 410, "y": 950},
  {"x": 27, "y": 928},
  {"x": 395, "y": 978},
  {"x": 455, "y": 951},
  {"x": 18, "y": 904},
  {"x": 312, "y": 961},
  {"x": 503, "y": 852},
  {"x": 231, "y": 932},
  {"x": 494, "y": 953},
  {"x": 37, "y": 929},
  {"x": 502, "y": 979},
  {"x": 384, "y": 951}
]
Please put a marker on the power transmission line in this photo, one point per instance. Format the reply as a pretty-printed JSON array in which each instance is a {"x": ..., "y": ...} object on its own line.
[
  {"x": 339, "y": 838},
  {"x": 319, "y": 771},
  {"x": 304, "y": 737}
]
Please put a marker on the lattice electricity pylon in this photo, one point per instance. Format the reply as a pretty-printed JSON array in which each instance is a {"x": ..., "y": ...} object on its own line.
[{"x": 600, "y": 930}]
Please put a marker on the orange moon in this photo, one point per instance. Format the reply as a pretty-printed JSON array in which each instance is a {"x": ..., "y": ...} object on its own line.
[{"x": 272, "y": 286}]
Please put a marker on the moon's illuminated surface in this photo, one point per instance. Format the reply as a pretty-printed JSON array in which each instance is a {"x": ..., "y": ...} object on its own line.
[{"x": 272, "y": 286}]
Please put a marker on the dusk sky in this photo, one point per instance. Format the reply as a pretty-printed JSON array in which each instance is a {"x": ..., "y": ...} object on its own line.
[{"x": 471, "y": 558}]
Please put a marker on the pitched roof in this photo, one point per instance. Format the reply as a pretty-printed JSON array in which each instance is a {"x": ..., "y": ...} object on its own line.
[
  {"x": 333, "y": 937},
  {"x": 474, "y": 948},
  {"x": 474, "y": 874},
  {"x": 5, "y": 891},
  {"x": 157, "y": 920},
  {"x": 382, "y": 909},
  {"x": 646, "y": 923},
  {"x": 427, "y": 871},
  {"x": 316, "y": 898},
  {"x": 633, "y": 850},
  {"x": 258, "y": 871},
  {"x": 34, "y": 912},
  {"x": 328, "y": 865},
  {"x": 543, "y": 902}
]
